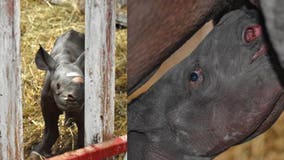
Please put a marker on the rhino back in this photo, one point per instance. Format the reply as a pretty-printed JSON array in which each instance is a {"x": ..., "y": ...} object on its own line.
[{"x": 71, "y": 45}]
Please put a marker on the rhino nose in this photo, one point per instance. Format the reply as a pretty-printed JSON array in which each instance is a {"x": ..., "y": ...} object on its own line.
[{"x": 70, "y": 97}]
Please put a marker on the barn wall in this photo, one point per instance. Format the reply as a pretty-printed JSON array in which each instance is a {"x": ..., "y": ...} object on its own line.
[{"x": 10, "y": 83}]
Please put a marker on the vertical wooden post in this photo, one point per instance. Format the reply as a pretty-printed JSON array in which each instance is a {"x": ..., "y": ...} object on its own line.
[
  {"x": 99, "y": 70},
  {"x": 10, "y": 83}
]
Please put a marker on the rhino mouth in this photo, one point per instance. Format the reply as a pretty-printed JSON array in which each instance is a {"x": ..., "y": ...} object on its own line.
[
  {"x": 73, "y": 106},
  {"x": 73, "y": 103}
]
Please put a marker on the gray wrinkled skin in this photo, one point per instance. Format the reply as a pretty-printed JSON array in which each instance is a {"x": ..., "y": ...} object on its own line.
[
  {"x": 63, "y": 89},
  {"x": 235, "y": 98},
  {"x": 274, "y": 13}
]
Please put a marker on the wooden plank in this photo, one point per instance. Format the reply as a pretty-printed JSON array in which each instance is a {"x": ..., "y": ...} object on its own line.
[
  {"x": 10, "y": 84},
  {"x": 99, "y": 71}
]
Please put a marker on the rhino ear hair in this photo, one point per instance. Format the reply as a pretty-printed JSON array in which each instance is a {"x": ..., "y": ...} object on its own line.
[
  {"x": 44, "y": 61},
  {"x": 80, "y": 62}
]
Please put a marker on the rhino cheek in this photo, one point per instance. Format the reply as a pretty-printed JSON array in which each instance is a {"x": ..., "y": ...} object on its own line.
[{"x": 60, "y": 102}]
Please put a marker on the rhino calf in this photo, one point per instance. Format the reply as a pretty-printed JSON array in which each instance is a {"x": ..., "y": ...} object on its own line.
[{"x": 63, "y": 89}]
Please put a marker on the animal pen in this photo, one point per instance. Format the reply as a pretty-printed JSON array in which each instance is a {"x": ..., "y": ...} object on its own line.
[{"x": 99, "y": 80}]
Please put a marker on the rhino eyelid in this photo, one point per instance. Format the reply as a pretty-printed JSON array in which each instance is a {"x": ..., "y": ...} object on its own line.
[{"x": 197, "y": 71}]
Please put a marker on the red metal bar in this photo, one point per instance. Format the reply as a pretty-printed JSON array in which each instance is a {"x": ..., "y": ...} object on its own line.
[{"x": 97, "y": 151}]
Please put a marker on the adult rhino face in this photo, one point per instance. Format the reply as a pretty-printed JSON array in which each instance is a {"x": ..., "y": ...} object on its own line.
[
  {"x": 225, "y": 93},
  {"x": 66, "y": 80}
]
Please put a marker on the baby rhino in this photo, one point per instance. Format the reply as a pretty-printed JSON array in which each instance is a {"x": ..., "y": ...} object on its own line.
[{"x": 63, "y": 89}]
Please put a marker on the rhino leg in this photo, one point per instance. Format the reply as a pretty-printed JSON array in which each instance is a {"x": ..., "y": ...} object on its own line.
[
  {"x": 78, "y": 118},
  {"x": 50, "y": 114},
  {"x": 81, "y": 129}
]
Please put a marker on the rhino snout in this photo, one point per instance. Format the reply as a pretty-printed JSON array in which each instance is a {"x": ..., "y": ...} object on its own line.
[{"x": 70, "y": 97}]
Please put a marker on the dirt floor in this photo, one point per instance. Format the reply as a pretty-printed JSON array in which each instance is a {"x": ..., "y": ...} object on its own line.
[{"x": 41, "y": 23}]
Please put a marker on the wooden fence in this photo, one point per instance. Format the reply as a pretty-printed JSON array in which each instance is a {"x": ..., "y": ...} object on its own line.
[
  {"x": 10, "y": 84},
  {"x": 99, "y": 72}
]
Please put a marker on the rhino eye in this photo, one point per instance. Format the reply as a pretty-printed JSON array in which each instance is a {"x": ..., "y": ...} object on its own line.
[
  {"x": 58, "y": 86},
  {"x": 194, "y": 76}
]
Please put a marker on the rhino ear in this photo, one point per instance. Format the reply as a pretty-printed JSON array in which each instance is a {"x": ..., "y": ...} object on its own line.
[
  {"x": 44, "y": 61},
  {"x": 80, "y": 62}
]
